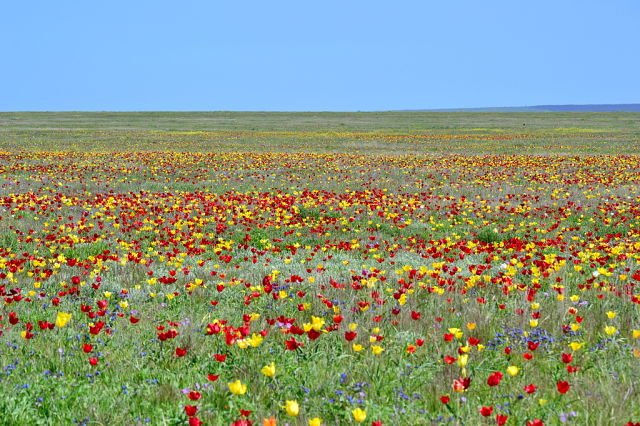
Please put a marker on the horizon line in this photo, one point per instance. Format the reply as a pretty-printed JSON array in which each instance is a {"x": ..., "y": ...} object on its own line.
[{"x": 524, "y": 108}]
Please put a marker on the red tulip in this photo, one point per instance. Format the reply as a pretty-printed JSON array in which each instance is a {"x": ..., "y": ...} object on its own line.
[
  {"x": 190, "y": 410},
  {"x": 461, "y": 384},
  {"x": 448, "y": 359},
  {"x": 501, "y": 419},
  {"x": 350, "y": 335},
  {"x": 486, "y": 411},
  {"x": 563, "y": 386},
  {"x": 194, "y": 421},
  {"x": 194, "y": 395},
  {"x": 292, "y": 344},
  {"x": 494, "y": 378}
]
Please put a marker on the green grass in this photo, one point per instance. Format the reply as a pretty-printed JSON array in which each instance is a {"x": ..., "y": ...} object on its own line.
[{"x": 533, "y": 133}]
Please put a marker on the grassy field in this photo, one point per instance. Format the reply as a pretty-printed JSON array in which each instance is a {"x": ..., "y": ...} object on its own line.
[
  {"x": 367, "y": 133},
  {"x": 319, "y": 268}
]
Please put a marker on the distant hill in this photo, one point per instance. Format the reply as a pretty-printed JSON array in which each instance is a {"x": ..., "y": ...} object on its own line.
[
  {"x": 590, "y": 108},
  {"x": 552, "y": 108}
]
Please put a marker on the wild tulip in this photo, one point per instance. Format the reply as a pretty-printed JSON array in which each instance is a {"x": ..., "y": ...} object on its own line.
[
  {"x": 486, "y": 411},
  {"x": 237, "y": 388},
  {"x": 194, "y": 395},
  {"x": 269, "y": 370},
  {"x": 513, "y": 370},
  {"x": 292, "y": 408},
  {"x": 563, "y": 386},
  {"x": 350, "y": 335},
  {"x": 359, "y": 415},
  {"x": 463, "y": 360},
  {"x": 501, "y": 419},
  {"x": 62, "y": 319},
  {"x": 494, "y": 378},
  {"x": 461, "y": 384},
  {"x": 448, "y": 359}
]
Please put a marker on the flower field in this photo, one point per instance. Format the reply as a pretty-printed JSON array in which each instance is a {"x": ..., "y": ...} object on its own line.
[{"x": 377, "y": 277}]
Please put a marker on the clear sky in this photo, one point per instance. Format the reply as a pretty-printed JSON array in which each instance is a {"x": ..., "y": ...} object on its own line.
[{"x": 308, "y": 55}]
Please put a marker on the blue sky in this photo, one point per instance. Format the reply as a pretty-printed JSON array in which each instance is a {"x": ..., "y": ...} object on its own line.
[{"x": 316, "y": 55}]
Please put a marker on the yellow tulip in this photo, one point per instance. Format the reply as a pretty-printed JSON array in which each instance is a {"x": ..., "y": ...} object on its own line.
[
  {"x": 377, "y": 350},
  {"x": 255, "y": 340},
  {"x": 292, "y": 408},
  {"x": 62, "y": 319},
  {"x": 576, "y": 346},
  {"x": 513, "y": 370},
  {"x": 237, "y": 388},
  {"x": 456, "y": 332},
  {"x": 317, "y": 323},
  {"x": 463, "y": 360},
  {"x": 359, "y": 415},
  {"x": 269, "y": 370}
]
